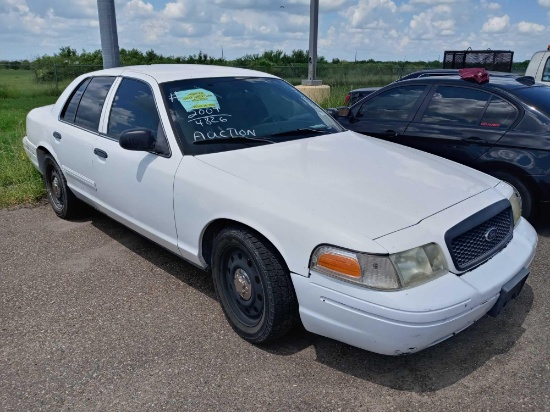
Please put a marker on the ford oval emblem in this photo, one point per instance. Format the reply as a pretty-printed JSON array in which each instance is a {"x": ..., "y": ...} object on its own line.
[{"x": 491, "y": 234}]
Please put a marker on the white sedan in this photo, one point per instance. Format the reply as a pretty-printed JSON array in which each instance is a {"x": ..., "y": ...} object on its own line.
[{"x": 374, "y": 244}]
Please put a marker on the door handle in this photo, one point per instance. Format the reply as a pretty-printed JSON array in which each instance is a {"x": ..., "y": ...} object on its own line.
[
  {"x": 57, "y": 135},
  {"x": 101, "y": 153},
  {"x": 473, "y": 139},
  {"x": 391, "y": 133}
]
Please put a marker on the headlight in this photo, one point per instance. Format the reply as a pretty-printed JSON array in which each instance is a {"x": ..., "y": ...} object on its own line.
[
  {"x": 515, "y": 200},
  {"x": 400, "y": 270}
]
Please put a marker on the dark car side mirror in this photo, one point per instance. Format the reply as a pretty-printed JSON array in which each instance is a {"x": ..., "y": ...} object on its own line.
[
  {"x": 342, "y": 111},
  {"x": 137, "y": 139}
]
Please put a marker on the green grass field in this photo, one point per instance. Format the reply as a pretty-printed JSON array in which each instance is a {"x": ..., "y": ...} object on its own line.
[
  {"x": 19, "y": 93},
  {"x": 20, "y": 183}
]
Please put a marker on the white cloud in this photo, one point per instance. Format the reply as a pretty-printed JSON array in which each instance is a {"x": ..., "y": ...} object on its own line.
[
  {"x": 442, "y": 9},
  {"x": 138, "y": 8},
  {"x": 430, "y": 24},
  {"x": 496, "y": 24},
  {"x": 431, "y": 2},
  {"x": 491, "y": 6},
  {"x": 176, "y": 10},
  {"x": 526, "y": 27},
  {"x": 379, "y": 29},
  {"x": 366, "y": 10}
]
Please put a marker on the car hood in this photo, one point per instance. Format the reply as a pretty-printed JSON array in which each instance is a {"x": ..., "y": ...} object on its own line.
[{"x": 357, "y": 182}]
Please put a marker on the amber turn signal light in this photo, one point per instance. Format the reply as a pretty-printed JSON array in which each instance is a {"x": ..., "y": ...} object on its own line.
[{"x": 341, "y": 264}]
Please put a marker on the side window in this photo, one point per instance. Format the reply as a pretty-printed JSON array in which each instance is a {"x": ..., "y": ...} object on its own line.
[
  {"x": 546, "y": 72},
  {"x": 394, "y": 104},
  {"x": 91, "y": 103},
  {"x": 457, "y": 105},
  {"x": 133, "y": 107},
  {"x": 69, "y": 111},
  {"x": 499, "y": 113}
]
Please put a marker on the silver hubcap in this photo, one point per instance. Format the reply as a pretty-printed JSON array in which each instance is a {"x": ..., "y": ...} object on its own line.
[
  {"x": 55, "y": 187},
  {"x": 242, "y": 284}
]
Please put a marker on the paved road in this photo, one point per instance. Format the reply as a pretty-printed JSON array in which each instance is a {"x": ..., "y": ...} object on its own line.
[{"x": 94, "y": 317}]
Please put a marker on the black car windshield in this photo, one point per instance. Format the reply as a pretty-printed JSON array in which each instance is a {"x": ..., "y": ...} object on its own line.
[
  {"x": 243, "y": 109},
  {"x": 537, "y": 96}
]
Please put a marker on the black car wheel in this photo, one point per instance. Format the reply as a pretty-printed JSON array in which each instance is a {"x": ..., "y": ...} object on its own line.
[
  {"x": 253, "y": 286},
  {"x": 63, "y": 201},
  {"x": 527, "y": 210}
]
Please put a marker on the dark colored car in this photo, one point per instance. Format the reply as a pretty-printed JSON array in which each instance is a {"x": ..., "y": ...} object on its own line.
[
  {"x": 501, "y": 127},
  {"x": 358, "y": 94}
]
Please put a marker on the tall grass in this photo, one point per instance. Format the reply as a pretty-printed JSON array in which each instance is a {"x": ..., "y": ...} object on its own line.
[{"x": 19, "y": 181}]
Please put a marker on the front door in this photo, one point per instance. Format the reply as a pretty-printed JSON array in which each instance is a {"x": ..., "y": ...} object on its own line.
[
  {"x": 387, "y": 114},
  {"x": 136, "y": 187}
]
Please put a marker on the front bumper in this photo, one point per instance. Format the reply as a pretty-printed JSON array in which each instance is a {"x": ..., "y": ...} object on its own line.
[{"x": 407, "y": 321}]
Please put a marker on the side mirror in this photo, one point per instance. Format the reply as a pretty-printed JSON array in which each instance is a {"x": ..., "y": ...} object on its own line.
[
  {"x": 342, "y": 111},
  {"x": 333, "y": 112},
  {"x": 137, "y": 139}
]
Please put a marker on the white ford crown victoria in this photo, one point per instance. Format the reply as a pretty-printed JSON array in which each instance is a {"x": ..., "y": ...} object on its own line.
[{"x": 374, "y": 244}]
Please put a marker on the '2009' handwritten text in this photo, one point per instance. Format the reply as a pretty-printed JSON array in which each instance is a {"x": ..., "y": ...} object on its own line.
[{"x": 227, "y": 133}]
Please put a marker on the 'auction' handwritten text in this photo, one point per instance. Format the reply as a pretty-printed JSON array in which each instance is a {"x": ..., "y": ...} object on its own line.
[{"x": 224, "y": 134}]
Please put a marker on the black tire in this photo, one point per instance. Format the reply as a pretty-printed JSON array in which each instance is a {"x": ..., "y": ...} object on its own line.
[
  {"x": 64, "y": 203},
  {"x": 527, "y": 209},
  {"x": 253, "y": 286}
]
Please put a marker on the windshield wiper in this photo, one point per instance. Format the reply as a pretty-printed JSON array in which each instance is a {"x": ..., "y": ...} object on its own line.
[
  {"x": 298, "y": 132},
  {"x": 240, "y": 139}
]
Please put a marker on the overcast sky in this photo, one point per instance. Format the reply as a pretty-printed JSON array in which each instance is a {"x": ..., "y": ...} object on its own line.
[{"x": 377, "y": 29}]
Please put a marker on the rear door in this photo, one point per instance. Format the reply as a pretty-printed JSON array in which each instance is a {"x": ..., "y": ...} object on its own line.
[
  {"x": 460, "y": 123},
  {"x": 76, "y": 132},
  {"x": 387, "y": 114}
]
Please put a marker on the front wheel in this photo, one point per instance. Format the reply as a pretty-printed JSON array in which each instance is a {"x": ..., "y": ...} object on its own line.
[
  {"x": 527, "y": 207},
  {"x": 253, "y": 286},
  {"x": 64, "y": 203}
]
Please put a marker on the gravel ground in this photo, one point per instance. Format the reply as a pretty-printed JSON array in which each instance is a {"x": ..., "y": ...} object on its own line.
[{"x": 95, "y": 317}]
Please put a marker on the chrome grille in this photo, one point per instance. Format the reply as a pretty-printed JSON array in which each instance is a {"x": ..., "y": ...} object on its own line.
[{"x": 473, "y": 245}]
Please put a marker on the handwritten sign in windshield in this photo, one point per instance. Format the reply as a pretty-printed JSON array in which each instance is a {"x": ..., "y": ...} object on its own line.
[
  {"x": 207, "y": 117},
  {"x": 223, "y": 133},
  {"x": 197, "y": 99}
]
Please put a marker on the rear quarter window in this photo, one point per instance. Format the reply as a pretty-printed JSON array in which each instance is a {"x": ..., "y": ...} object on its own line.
[{"x": 499, "y": 113}]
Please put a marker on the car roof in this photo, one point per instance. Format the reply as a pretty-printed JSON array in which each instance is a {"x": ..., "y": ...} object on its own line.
[
  {"x": 431, "y": 72},
  {"x": 496, "y": 82},
  {"x": 367, "y": 89},
  {"x": 170, "y": 72}
]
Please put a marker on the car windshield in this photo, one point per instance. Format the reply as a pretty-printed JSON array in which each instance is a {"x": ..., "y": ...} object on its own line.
[
  {"x": 537, "y": 96},
  {"x": 231, "y": 112}
]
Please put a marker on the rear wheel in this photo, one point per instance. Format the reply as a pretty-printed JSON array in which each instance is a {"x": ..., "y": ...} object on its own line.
[
  {"x": 253, "y": 286},
  {"x": 63, "y": 201},
  {"x": 527, "y": 206}
]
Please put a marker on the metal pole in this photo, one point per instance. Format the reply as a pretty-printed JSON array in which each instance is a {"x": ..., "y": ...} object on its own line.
[
  {"x": 108, "y": 32},
  {"x": 313, "y": 34}
]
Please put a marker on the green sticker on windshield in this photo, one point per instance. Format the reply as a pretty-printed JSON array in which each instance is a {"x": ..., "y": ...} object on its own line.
[{"x": 197, "y": 99}]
